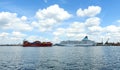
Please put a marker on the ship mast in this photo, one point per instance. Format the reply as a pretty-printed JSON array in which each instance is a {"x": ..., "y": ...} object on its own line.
[{"x": 106, "y": 43}]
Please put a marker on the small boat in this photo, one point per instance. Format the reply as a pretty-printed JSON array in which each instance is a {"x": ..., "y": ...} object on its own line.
[{"x": 37, "y": 44}]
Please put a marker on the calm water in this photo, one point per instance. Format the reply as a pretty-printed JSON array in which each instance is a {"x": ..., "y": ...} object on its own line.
[{"x": 59, "y": 58}]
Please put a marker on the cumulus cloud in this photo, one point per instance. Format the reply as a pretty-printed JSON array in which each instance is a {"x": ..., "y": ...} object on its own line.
[
  {"x": 77, "y": 30},
  {"x": 54, "y": 12},
  {"x": 91, "y": 11},
  {"x": 12, "y": 21},
  {"x": 59, "y": 31},
  {"x": 91, "y": 27},
  {"x": 36, "y": 38},
  {"x": 4, "y": 34},
  {"x": 112, "y": 32},
  {"x": 112, "y": 28},
  {"x": 18, "y": 26},
  {"x": 18, "y": 34},
  {"x": 24, "y": 18},
  {"x": 49, "y": 17},
  {"x": 94, "y": 21},
  {"x": 11, "y": 38},
  {"x": 76, "y": 27},
  {"x": 74, "y": 31},
  {"x": 5, "y": 18},
  {"x": 95, "y": 29}
]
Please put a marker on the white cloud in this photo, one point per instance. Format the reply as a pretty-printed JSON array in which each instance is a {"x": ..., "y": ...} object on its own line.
[
  {"x": 56, "y": 39},
  {"x": 24, "y": 18},
  {"x": 95, "y": 29},
  {"x": 36, "y": 38},
  {"x": 4, "y": 34},
  {"x": 80, "y": 29},
  {"x": 59, "y": 31},
  {"x": 76, "y": 27},
  {"x": 11, "y": 21},
  {"x": 11, "y": 38},
  {"x": 94, "y": 21},
  {"x": 112, "y": 29},
  {"x": 91, "y": 27},
  {"x": 18, "y": 34},
  {"x": 74, "y": 31},
  {"x": 18, "y": 26},
  {"x": 54, "y": 12},
  {"x": 50, "y": 17},
  {"x": 118, "y": 21},
  {"x": 91, "y": 11},
  {"x": 6, "y": 17}
]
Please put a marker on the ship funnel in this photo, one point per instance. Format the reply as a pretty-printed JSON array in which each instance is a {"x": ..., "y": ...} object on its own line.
[{"x": 85, "y": 38}]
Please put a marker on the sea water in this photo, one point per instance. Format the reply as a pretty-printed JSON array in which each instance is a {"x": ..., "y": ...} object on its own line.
[{"x": 60, "y": 58}]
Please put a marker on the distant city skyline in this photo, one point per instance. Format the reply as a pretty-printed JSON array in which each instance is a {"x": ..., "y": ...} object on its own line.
[{"x": 58, "y": 20}]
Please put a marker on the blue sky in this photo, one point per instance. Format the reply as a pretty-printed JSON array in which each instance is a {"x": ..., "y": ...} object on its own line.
[{"x": 34, "y": 20}]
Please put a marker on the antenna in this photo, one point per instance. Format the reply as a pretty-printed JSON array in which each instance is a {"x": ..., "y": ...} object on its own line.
[
  {"x": 102, "y": 41},
  {"x": 107, "y": 41}
]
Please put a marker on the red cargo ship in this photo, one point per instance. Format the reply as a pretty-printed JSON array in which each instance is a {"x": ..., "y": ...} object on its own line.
[{"x": 37, "y": 44}]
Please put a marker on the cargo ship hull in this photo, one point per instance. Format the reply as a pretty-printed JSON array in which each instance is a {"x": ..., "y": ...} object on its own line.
[{"x": 37, "y": 44}]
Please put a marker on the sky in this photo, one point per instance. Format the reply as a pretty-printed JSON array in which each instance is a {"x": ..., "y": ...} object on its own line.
[{"x": 58, "y": 20}]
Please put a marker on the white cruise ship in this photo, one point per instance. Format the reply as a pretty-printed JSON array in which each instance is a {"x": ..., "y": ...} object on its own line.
[{"x": 84, "y": 42}]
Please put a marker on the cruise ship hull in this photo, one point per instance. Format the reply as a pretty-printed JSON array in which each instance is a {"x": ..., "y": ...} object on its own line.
[
  {"x": 76, "y": 45},
  {"x": 84, "y": 42}
]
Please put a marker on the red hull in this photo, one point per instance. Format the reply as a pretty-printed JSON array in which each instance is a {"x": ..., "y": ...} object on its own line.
[{"x": 37, "y": 44}]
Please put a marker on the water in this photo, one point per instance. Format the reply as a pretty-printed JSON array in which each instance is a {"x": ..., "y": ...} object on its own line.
[{"x": 59, "y": 58}]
